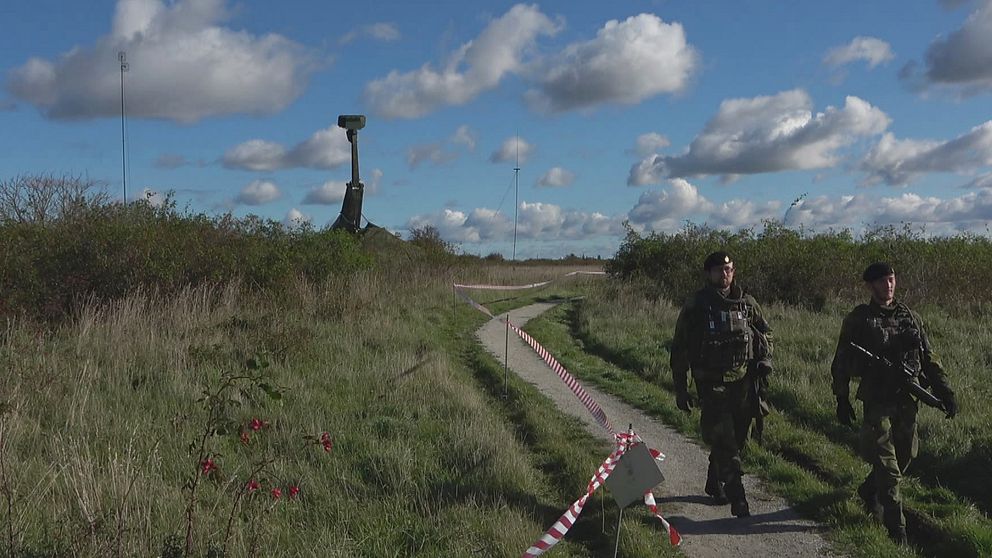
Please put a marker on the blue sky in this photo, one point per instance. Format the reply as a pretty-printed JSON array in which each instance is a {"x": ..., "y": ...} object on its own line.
[{"x": 653, "y": 113}]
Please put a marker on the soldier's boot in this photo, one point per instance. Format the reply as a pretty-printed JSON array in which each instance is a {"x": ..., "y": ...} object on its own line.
[
  {"x": 869, "y": 497},
  {"x": 895, "y": 523},
  {"x": 738, "y": 501},
  {"x": 898, "y": 536},
  {"x": 714, "y": 487}
]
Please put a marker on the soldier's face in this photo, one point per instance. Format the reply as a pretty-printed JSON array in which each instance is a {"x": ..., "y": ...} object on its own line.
[
  {"x": 883, "y": 289},
  {"x": 721, "y": 276}
]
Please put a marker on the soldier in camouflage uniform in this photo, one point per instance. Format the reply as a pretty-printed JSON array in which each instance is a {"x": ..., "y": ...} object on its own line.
[
  {"x": 886, "y": 328},
  {"x": 722, "y": 336}
]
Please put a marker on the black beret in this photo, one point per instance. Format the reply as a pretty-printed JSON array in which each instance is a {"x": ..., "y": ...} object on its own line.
[
  {"x": 715, "y": 259},
  {"x": 877, "y": 270}
]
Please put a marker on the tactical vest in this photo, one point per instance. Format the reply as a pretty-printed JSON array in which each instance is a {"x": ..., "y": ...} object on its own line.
[
  {"x": 895, "y": 335},
  {"x": 726, "y": 332}
]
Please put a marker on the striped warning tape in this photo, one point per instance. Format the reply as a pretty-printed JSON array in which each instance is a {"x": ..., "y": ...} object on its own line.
[
  {"x": 527, "y": 286},
  {"x": 573, "y": 384},
  {"x": 623, "y": 440}
]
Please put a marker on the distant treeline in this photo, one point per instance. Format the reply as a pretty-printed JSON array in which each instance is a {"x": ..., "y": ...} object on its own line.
[
  {"x": 809, "y": 269},
  {"x": 57, "y": 256}
]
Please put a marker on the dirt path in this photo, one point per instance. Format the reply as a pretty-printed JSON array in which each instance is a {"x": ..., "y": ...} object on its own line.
[{"x": 774, "y": 528}]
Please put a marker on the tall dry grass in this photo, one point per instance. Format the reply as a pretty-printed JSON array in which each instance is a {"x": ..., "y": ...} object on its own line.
[{"x": 102, "y": 415}]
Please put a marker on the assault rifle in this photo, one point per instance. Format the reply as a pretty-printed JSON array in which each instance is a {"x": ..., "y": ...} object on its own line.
[{"x": 908, "y": 378}]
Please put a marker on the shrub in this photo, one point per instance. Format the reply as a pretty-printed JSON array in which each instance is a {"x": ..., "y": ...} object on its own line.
[
  {"x": 103, "y": 251},
  {"x": 807, "y": 268}
]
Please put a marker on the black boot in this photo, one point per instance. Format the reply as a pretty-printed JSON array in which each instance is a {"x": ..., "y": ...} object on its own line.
[
  {"x": 738, "y": 501},
  {"x": 740, "y": 508},
  {"x": 869, "y": 497},
  {"x": 714, "y": 487},
  {"x": 898, "y": 536}
]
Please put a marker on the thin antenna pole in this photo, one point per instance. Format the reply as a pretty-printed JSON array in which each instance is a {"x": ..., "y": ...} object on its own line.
[
  {"x": 122, "y": 57},
  {"x": 516, "y": 197}
]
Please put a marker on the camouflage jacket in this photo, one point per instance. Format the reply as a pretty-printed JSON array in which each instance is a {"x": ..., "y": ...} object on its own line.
[
  {"x": 718, "y": 337},
  {"x": 893, "y": 332}
]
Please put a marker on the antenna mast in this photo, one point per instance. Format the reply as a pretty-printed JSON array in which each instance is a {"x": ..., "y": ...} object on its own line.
[
  {"x": 122, "y": 57},
  {"x": 516, "y": 195}
]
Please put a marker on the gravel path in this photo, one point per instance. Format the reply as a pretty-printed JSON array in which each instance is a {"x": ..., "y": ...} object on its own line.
[{"x": 774, "y": 528}]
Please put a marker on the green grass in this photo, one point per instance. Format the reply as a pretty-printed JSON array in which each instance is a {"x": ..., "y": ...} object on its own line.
[
  {"x": 806, "y": 457},
  {"x": 102, "y": 416}
]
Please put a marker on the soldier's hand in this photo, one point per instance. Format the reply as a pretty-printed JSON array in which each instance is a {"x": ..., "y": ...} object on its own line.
[
  {"x": 764, "y": 367},
  {"x": 845, "y": 412},
  {"x": 950, "y": 404},
  {"x": 683, "y": 400}
]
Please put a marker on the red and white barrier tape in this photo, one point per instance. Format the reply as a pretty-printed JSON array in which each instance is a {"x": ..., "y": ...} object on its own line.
[
  {"x": 623, "y": 440},
  {"x": 570, "y": 381},
  {"x": 528, "y": 286},
  {"x": 553, "y": 535}
]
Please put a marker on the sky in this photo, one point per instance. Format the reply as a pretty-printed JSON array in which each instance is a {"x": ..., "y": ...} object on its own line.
[{"x": 646, "y": 114}]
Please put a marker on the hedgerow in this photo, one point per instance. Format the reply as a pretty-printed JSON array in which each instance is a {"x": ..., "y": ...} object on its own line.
[
  {"x": 103, "y": 251},
  {"x": 809, "y": 269}
]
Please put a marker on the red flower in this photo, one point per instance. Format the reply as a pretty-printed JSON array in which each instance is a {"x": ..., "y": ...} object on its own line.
[
  {"x": 326, "y": 441},
  {"x": 276, "y": 493},
  {"x": 253, "y": 485},
  {"x": 208, "y": 466},
  {"x": 294, "y": 491},
  {"x": 245, "y": 438},
  {"x": 257, "y": 424}
]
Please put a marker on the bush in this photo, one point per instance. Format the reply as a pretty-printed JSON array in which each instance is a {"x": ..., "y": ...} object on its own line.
[
  {"x": 105, "y": 250},
  {"x": 809, "y": 269}
]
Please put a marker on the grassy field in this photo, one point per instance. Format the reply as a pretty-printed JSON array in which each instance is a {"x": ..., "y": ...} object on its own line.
[
  {"x": 161, "y": 426},
  {"x": 618, "y": 338}
]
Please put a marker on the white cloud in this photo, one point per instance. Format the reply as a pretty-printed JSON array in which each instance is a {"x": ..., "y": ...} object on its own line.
[
  {"x": 466, "y": 136},
  {"x": 328, "y": 193},
  {"x": 666, "y": 210},
  {"x": 325, "y": 149},
  {"x": 650, "y": 143},
  {"x": 983, "y": 181},
  {"x": 183, "y": 66},
  {"x": 536, "y": 221},
  {"x": 871, "y": 50},
  {"x": 962, "y": 61},
  {"x": 296, "y": 218},
  {"x": 258, "y": 192},
  {"x": 739, "y": 213},
  {"x": 477, "y": 66},
  {"x": 767, "y": 134},
  {"x": 513, "y": 149},
  {"x": 382, "y": 31},
  {"x": 969, "y": 212},
  {"x": 650, "y": 170},
  {"x": 256, "y": 155},
  {"x": 153, "y": 197},
  {"x": 430, "y": 152},
  {"x": 625, "y": 63},
  {"x": 899, "y": 162},
  {"x": 373, "y": 185},
  {"x": 556, "y": 177}
]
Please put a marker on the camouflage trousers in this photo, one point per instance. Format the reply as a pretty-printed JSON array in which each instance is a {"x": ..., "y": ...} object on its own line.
[
  {"x": 725, "y": 420},
  {"x": 889, "y": 444}
]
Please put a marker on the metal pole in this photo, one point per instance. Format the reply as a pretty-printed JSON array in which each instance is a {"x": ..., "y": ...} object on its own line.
[
  {"x": 616, "y": 548},
  {"x": 626, "y": 444},
  {"x": 122, "y": 57}
]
